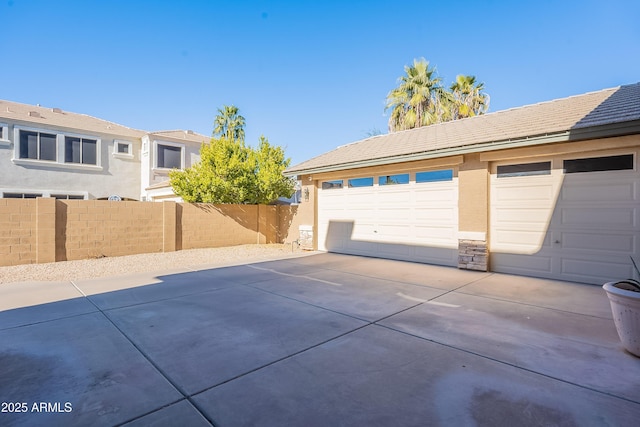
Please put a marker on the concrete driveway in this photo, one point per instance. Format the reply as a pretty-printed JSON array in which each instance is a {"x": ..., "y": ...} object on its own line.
[{"x": 318, "y": 340}]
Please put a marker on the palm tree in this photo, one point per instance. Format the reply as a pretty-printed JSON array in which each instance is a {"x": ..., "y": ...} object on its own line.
[
  {"x": 229, "y": 124},
  {"x": 417, "y": 99},
  {"x": 468, "y": 100}
]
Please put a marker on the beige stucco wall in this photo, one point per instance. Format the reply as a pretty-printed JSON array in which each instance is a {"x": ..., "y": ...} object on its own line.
[
  {"x": 292, "y": 217},
  {"x": 473, "y": 195}
]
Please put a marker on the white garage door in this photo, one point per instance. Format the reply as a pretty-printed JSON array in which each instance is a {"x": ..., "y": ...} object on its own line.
[
  {"x": 408, "y": 216},
  {"x": 569, "y": 218}
]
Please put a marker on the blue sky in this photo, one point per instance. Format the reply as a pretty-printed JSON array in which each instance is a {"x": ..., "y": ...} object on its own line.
[{"x": 309, "y": 75}]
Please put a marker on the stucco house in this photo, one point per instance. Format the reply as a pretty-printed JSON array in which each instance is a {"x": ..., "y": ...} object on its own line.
[
  {"x": 48, "y": 152},
  {"x": 550, "y": 190}
]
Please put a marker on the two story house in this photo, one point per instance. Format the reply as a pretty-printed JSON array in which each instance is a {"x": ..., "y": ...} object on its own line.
[{"x": 48, "y": 152}]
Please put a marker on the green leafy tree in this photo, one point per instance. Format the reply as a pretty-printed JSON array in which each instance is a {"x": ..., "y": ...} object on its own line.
[
  {"x": 271, "y": 183},
  {"x": 231, "y": 172},
  {"x": 229, "y": 124}
]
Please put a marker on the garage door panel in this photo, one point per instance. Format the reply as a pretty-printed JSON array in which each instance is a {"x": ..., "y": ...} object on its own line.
[
  {"x": 535, "y": 192},
  {"x": 526, "y": 241},
  {"x": 577, "y": 226},
  {"x": 599, "y": 242},
  {"x": 435, "y": 214},
  {"x": 427, "y": 233},
  {"x": 590, "y": 271},
  {"x": 519, "y": 215},
  {"x": 397, "y": 251},
  {"x": 362, "y": 200},
  {"x": 391, "y": 232},
  {"x": 522, "y": 264},
  {"x": 444, "y": 256},
  {"x": 393, "y": 216},
  {"x": 333, "y": 235},
  {"x": 429, "y": 197},
  {"x": 610, "y": 218},
  {"x": 594, "y": 191},
  {"x": 362, "y": 247},
  {"x": 394, "y": 198},
  {"x": 414, "y": 221},
  {"x": 362, "y": 215},
  {"x": 362, "y": 230}
]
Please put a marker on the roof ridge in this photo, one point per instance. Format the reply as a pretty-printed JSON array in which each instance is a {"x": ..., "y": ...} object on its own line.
[
  {"x": 58, "y": 110},
  {"x": 537, "y": 123},
  {"x": 492, "y": 113}
]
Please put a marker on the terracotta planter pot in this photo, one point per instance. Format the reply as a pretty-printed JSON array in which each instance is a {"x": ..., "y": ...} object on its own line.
[{"x": 625, "y": 306}]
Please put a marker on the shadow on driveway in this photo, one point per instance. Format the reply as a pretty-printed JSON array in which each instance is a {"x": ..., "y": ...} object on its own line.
[{"x": 320, "y": 340}]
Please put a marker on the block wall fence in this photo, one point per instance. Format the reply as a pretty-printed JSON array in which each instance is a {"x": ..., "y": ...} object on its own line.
[{"x": 47, "y": 230}]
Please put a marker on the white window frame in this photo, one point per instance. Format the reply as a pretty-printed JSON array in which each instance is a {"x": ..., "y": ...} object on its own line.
[
  {"x": 16, "y": 146},
  {"x": 60, "y": 150},
  {"x": 4, "y": 135},
  {"x": 44, "y": 193},
  {"x": 170, "y": 144},
  {"x": 64, "y": 147},
  {"x": 117, "y": 154}
]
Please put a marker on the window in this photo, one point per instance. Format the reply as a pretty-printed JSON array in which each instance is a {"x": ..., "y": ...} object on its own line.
[
  {"x": 67, "y": 197},
  {"x": 394, "y": 179},
  {"x": 330, "y": 185},
  {"x": 21, "y": 195},
  {"x": 37, "y": 145},
  {"x": 524, "y": 169},
  {"x": 169, "y": 156},
  {"x": 80, "y": 150},
  {"x": 122, "y": 148},
  {"x": 4, "y": 132},
  {"x": 435, "y": 176},
  {"x": 69, "y": 151},
  {"x": 599, "y": 164},
  {"x": 361, "y": 182}
]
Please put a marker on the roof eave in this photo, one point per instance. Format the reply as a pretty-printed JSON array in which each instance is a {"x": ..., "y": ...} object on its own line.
[{"x": 595, "y": 132}]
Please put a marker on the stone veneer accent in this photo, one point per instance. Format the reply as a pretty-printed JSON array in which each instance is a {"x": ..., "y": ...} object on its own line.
[
  {"x": 306, "y": 237},
  {"x": 473, "y": 255}
]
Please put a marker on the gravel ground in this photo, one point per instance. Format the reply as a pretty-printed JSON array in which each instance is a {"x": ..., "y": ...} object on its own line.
[{"x": 115, "y": 266}]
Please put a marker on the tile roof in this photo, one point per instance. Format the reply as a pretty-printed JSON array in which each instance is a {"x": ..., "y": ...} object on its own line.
[
  {"x": 183, "y": 135},
  {"x": 58, "y": 118},
  {"x": 557, "y": 117}
]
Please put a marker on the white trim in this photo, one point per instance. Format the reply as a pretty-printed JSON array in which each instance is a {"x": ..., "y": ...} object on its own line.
[
  {"x": 82, "y": 136},
  {"x": 45, "y": 193},
  {"x": 154, "y": 165},
  {"x": 4, "y": 135},
  {"x": 472, "y": 235},
  {"x": 60, "y": 149},
  {"x": 16, "y": 146},
  {"x": 57, "y": 165},
  {"x": 117, "y": 154}
]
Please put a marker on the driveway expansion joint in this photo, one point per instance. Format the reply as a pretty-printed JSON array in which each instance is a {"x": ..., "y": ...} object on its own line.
[{"x": 502, "y": 362}]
